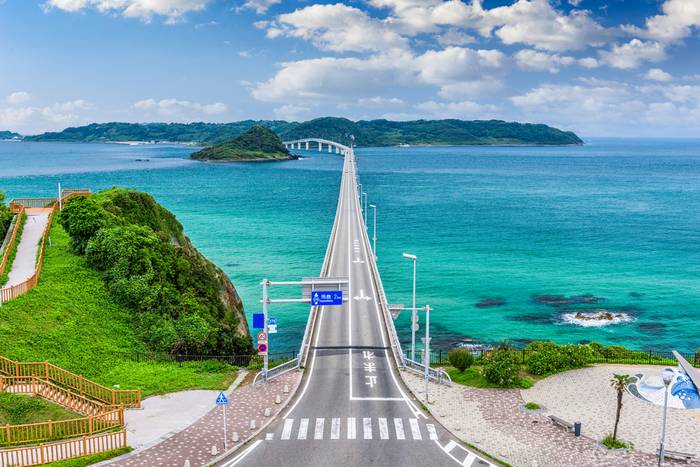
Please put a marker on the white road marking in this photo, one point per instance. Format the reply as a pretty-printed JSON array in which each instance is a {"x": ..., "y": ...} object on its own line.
[
  {"x": 287, "y": 430},
  {"x": 269, "y": 437},
  {"x": 383, "y": 429},
  {"x": 242, "y": 455},
  {"x": 318, "y": 433},
  {"x": 351, "y": 428},
  {"x": 303, "y": 428},
  {"x": 415, "y": 429},
  {"x": 397, "y": 399},
  {"x": 335, "y": 428},
  {"x": 431, "y": 431},
  {"x": 470, "y": 459},
  {"x": 370, "y": 380},
  {"x": 449, "y": 446},
  {"x": 367, "y": 427},
  {"x": 358, "y": 261},
  {"x": 362, "y": 296},
  {"x": 398, "y": 426}
]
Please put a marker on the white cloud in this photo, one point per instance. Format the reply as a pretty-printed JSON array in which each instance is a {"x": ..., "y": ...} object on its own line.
[
  {"x": 179, "y": 109},
  {"x": 260, "y": 6},
  {"x": 34, "y": 119},
  {"x": 657, "y": 74},
  {"x": 338, "y": 28},
  {"x": 588, "y": 62},
  {"x": 18, "y": 97},
  {"x": 633, "y": 53},
  {"x": 291, "y": 112},
  {"x": 454, "y": 37},
  {"x": 172, "y": 10},
  {"x": 455, "y": 64},
  {"x": 380, "y": 101},
  {"x": 463, "y": 110},
  {"x": 534, "y": 60},
  {"x": 676, "y": 22}
]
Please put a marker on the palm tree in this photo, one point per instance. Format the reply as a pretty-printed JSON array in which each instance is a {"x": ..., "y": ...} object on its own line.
[{"x": 619, "y": 382}]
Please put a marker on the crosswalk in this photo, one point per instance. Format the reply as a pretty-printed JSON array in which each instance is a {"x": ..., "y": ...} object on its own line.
[{"x": 354, "y": 428}]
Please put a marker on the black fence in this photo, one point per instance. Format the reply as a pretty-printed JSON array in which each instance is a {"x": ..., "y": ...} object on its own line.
[
  {"x": 235, "y": 360},
  {"x": 649, "y": 357}
]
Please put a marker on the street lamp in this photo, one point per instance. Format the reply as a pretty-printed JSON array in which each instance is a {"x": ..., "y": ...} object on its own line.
[
  {"x": 374, "y": 230},
  {"x": 667, "y": 375},
  {"x": 414, "y": 321},
  {"x": 426, "y": 350},
  {"x": 364, "y": 209}
]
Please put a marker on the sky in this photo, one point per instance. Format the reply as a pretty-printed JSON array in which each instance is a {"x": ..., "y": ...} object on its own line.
[{"x": 597, "y": 67}]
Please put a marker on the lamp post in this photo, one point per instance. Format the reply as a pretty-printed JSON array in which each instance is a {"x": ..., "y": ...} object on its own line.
[
  {"x": 426, "y": 350},
  {"x": 374, "y": 230},
  {"x": 667, "y": 375},
  {"x": 414, "y": 321},
  {"x": 364, "y": 209},
  {"x": 359, "y": 190}
]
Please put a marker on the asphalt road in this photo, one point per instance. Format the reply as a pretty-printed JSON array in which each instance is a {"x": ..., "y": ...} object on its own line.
[{"x": 352, "y": 409}]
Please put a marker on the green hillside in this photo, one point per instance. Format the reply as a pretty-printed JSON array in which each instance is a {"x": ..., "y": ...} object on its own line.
[{"x": 259, "y": 143}]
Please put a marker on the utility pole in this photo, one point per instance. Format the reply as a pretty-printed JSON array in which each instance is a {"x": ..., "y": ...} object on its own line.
[
  {"x": 414, "y": 321},
  {"x": 266, "y": 301},
  {"x": 426, "y": 350},
  {"x": 374, "y": 230}
]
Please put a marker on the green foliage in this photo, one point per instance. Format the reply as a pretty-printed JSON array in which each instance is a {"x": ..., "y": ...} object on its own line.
[
  {"x": 5, "y": 217},
  {"x": 19, "y": 409},
  {"x": 502, "y": 368},
  {"x": 613, "y": 443},
  {"x": 72, "y": 320},
  {"x": 544, "y": 358},
  {"x": 91, "y": 459},
  {"x": 151, "y": 268},
  {"x": 532, "y": 406},
  {"x": 366, "y": 133},
  {"x": 13, "y": 253},
  {"x": 460, "y": 358},
  {"x": 258, "y": 143}
]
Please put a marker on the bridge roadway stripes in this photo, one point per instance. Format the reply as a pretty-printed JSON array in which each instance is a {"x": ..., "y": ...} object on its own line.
[{"x": 351, "y": 381}]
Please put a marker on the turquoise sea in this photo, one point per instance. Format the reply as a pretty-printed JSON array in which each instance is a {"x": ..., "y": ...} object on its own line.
[{"x": 540, "y": 233}]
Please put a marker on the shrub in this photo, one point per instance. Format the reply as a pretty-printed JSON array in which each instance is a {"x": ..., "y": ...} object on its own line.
[
  {"x": 502, "y": 368},
  {"x": 460, "y": 359},
  {"x": 5, "y": 217},
  {"x": 82, "y": 217},
  {"x": 612, "y": 443},
  {"x": 532, "y": 406},
  {"x": 547, "y": 357}
]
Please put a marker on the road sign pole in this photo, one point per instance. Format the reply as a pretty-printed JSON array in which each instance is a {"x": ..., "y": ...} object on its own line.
[
  {"x": 223, "y": 407},
  {"x": 266, "y": 300},
  {"x": 426, "y": 349}
]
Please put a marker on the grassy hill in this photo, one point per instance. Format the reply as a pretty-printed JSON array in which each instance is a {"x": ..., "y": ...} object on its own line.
[
  {"x": 365, "y": 132},
  {"x": 259, "y": 143}
]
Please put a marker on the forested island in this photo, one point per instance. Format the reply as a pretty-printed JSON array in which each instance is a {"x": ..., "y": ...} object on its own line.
[
  {"x": 374, "y": 133},
  {"x": 258, "y": 144},
  {"x": 9, "y": 135}
]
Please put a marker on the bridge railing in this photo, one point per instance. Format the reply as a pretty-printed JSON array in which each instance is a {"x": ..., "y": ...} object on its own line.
[
  {"x": 278, "y": 370},
  {"x": 438, "y": 375}
]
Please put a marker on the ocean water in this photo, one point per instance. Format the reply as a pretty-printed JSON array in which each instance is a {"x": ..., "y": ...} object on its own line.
[{"x": 540, "y": 233}]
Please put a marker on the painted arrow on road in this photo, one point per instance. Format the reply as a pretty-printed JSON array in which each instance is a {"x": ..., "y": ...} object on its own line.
[{"x": 362, "y": 296}]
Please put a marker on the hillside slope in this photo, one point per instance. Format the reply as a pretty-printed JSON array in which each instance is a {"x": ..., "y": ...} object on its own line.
[{"x": 257, "y": 144}]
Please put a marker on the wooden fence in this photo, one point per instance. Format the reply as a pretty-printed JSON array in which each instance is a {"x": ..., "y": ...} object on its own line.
[
  {"x": 33, "y": 433},
  {"x": 19, "y": 203},
  {"x": 45, "y": 371},
  {"x": 62, "y": 450},
  {"x": 11, "y": 243}
]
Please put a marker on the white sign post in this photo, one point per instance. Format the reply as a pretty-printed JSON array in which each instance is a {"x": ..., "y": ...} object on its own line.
[{"x": 223, "y": 401}]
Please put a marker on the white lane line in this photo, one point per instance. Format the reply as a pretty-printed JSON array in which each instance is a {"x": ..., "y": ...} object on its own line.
[
  {"x": 400, "y": 399},
  {"x": 449, "y": 446},
  {"x": 269, "y": 437},
  {"x": 367, "y": 427},
  {"x": 453, "y": 457},
  {"x": 431, "y": 431},
  {"x": 383, "y": 429},
  {"x": 242, "y": 455},
  {"x": 352, "y": 434},
  {"x": 415, "y": 429},
  {"x": 287, "y": 430},
  {"x": 470, "y": 459},
  {"x": 398, "y": 426},
  {"x": 335, "y": 428},
  {"x": 318, "y": 432},
  {"x": 303, "y": 428}
]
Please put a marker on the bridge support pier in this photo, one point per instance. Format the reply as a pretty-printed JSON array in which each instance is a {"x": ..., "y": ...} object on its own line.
[{"x": 307, "y": 145}]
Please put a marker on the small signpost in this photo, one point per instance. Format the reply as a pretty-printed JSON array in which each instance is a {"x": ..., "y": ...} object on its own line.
[
  {"x": 326, "y": 297},
  {"x": 272, "y": 325},
  {"x": 223, "y": 401},
  {"x": 258, "y": 320},
  {"x": 262, "y": 348}
]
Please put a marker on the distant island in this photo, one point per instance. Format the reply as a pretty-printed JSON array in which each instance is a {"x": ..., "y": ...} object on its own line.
[
  {"x": 367, "y": 133},
  {"x": 9, "y": 135},
  {"x": 258, "y": 144}
]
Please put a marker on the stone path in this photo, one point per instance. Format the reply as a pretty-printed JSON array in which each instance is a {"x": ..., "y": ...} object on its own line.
[
  {"x": 24, "y": 264},
  {"x": 493, "y": 420},
  {"x": 585, "y": 395},
  {"x": 194, "y": 444}
]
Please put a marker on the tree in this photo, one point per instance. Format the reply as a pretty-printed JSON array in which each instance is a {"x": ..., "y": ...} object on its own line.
[
  {"x": 460, "y": 359},
  {"x": 619, "y": 383},
  {"x": 5, "y": 216}
]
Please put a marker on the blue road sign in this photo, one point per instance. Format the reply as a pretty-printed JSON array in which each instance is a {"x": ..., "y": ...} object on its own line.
[
  {"x": 221, "y": 399},
  {"x": 271, "y": 321},
  {"x": 326, "y": 297},
  {"x": 258, "y": 320}
]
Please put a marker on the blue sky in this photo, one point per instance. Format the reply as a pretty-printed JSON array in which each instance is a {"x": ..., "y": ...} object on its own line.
[{"x": 598, "y": 67}]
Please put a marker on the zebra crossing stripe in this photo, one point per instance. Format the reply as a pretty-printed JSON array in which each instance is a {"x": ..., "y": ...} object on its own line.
[
  {"x": 470, "y": 459},
  {"x": 335, "y": 428},
  {"x": 398, "y": 425},
  {"x": 287, "y": 430},
  {"x": 318, "y": 433},
  {"x": 303, "y": 428},
  {"x": 269, "y": 436},
  {"x": 450, "y": 446},
  {"x": 367, "y": 427},
  {"x": 351, "y": 428},
  {"x": 415, "y": 429},
  {"x": 431, "y": 431},
  {"x": 383, "y": 429}
]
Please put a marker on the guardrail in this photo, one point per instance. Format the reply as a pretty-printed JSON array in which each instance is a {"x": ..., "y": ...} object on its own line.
[
  {"x": 84, "y": 387},
  {"x": 62, "y": 450},
  {"x": 279, "y": 370},
  {"x": 18, "y": 203},
  {"x": 438, "y": 375},
  {"x": 11, "y": 242}
]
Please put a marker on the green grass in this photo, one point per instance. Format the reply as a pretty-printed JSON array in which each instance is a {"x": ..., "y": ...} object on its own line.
[
  {"x": 13, "y": 252},
  {"x": 70, "y": 320},
  {"x": 611, "y": 443},
  {"x": 472, "y": 377},
  {"x": 19, "y": 409},
  {"x": 532, "y": 406},
  {"x": 89, "y": 460}
]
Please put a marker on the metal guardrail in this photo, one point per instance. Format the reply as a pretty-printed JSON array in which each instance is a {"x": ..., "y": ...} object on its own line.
[
  {"x": 435, "y": 374},
  {"x": 279, "y": 370}
]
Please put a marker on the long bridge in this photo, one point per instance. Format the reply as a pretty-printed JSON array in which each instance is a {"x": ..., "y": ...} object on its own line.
[{"x": 352, "y": 407}]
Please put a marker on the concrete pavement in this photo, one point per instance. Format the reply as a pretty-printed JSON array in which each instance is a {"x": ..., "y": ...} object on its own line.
[{"x": 24, "y": 264}]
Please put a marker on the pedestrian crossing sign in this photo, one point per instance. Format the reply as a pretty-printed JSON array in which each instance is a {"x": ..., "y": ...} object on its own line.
[{"x": 221, "y": 399}]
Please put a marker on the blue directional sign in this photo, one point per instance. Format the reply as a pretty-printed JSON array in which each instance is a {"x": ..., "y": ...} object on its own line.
[
  {"x": 221, "y": 399},
  {"x": 326, "y": 297},
  {"x": 258, "y": 320},
  {"x": 271, "y": 321}
]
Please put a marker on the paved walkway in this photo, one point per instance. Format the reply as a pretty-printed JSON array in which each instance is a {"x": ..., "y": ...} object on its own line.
[
  {"x": 161, "y": 417},
  {"x": 585, "y": 395},
  {"x": 24, "y": 264},
  {"x": 493, "y": 420},
  {"x": 195, "y": 443}
]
